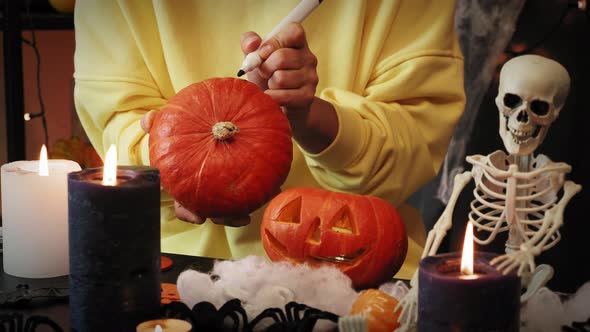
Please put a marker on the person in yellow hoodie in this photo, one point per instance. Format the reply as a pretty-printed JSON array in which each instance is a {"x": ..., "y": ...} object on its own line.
[{"x": 372, "y": 89}]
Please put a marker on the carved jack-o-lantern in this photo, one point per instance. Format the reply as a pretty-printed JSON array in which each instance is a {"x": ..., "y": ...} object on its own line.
[{"x": 363, "y": 236}]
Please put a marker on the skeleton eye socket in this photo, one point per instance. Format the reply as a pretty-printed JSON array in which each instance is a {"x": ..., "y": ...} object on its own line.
[
  {"x": 539, "y": 107},
  {"x": 511, "y": 100}
]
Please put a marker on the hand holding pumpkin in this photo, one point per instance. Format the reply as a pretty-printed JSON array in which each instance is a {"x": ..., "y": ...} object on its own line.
[
  {"x": 211, "y": 143},
  {"x": 181, "y": 212}
]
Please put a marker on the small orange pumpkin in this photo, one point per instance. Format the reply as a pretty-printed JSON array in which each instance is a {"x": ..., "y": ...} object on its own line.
[
  {"x": 223, "y": 147},
  {"x": 363, "y": 236},
  {"x": 77, "y": 150},
  {"x": 379, "y": 309}
]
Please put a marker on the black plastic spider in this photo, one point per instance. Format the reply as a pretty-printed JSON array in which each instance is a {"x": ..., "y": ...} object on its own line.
[
  {"x": 577, "y": 327},
  {"x": 297, "y": 317},
  {"x": 15, "y": 322},
  {"x": 205, "y": 317}
]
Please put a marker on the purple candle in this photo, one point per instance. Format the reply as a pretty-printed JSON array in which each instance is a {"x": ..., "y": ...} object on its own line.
[
  {"x": 114, "y": 242},
  {"x": 449, "y": 300}
]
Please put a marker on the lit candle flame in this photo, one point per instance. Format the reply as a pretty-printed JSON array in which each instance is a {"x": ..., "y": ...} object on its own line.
[
  {"x": 109, "y": 175},
  {"x": 43, "y": 163},
  {"x": 158, "y": 328},
  {"x": 467, "y": 256}
]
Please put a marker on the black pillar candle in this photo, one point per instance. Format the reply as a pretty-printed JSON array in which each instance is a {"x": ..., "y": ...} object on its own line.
[
  {"x": 114, "y": 242},
  {"x": 450, "y": 301}
]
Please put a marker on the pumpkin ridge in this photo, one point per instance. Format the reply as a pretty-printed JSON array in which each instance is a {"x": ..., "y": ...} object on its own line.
[
  {"x": 221, "y": 107},
  {"x": 185, "y": 109},
  {"x": 253, "y": 102},
  {"x": 235, "y": 104},
  {"x": 174, "y": 143},
  {"x": 257, "y": 155},
  {"x": 210, "y": 95},
  {"x": 200, "y": 135},
  {"x": 234, "y": 184},
  {"x": 198, "y": 176},
  {"x": 249, "y": 119},
  {"x": 273, "y": 131},
  {"x": 181, "y": 175}
]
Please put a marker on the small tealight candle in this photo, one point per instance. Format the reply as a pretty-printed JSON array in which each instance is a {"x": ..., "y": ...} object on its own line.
[
  {"x": 164, "y": 325},
  {"x": 35, "y": 216},
  {"x": 114, "y": 226},
  {"x": 466, "y": 293}
]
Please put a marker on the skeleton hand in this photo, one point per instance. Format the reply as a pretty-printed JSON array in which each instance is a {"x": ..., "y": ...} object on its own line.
[
  {"x": 409, "y": 311},
  {"x": 437, "y": 234},
  {"x": 521, "y": 259},
  {"x": 409, "y": 307}
]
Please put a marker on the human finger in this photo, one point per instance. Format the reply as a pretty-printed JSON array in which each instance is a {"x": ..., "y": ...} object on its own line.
[
  {"x": 293, "y": 98},
  {"x": 147, "y": 120},
  {"x": 249, "y": 42},
  {"x": 185, "y": 215},
  {"x": 286, "y": 79},
  {"x": 291, "y": 36},
  {"x": 285, "y": 58}
]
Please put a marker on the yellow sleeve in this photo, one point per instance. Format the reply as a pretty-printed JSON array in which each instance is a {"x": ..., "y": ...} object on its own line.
[
  {"x": 394, "y": 130},
  {"x": 115, "y": 79}
]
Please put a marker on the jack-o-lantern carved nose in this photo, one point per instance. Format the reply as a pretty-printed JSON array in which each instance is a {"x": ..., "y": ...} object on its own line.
[
  {"x": 522, "y": 117},
  {"x": 315, "y": 233}
]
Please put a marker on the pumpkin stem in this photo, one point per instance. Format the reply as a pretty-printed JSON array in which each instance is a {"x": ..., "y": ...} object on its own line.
[{"x": 224, "y": 130}]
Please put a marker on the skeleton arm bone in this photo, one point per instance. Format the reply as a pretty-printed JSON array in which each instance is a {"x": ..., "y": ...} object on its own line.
[
  {"x": 556, "y": 214},
  {"x": 445, "y": 221},
  {"x": 552, "y": 222},
  {"x": 409, "y": 304}
]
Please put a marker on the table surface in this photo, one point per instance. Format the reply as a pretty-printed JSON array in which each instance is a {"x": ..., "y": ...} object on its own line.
[{"x": 58, "y": 310}]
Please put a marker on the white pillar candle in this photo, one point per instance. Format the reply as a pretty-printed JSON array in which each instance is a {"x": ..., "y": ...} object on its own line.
[{"x": 35, "y": 218}]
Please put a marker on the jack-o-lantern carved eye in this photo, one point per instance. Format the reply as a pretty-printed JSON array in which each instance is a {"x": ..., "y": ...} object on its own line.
[
  {"x": 291, "y": 212},
  {"x": 344, "y": 222}
]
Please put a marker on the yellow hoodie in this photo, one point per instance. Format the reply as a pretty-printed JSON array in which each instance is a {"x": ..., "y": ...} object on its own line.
[{"x": 391, "y": 68}]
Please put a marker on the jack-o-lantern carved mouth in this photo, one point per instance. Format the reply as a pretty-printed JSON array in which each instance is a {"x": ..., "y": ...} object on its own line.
[
  {"x": 350, "y": 259},
  {"x": 347, "y": 259}
]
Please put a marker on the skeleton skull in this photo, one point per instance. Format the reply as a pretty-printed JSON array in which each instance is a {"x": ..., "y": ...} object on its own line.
[{"x": 532, "y": 91}]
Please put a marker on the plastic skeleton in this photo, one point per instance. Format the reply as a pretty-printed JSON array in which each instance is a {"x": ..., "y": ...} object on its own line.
[{"x": 515, "y": 192}]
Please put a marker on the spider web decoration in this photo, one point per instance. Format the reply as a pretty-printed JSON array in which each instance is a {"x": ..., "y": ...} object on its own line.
[
  {"x": 294, "y": 317},
  {"x": 16, "y": 322}
]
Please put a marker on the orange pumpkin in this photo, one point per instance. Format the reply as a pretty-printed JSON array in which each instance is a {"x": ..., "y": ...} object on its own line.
[
  {"x": 363, "y": 236},
  {"x": 223, "y": 147},
  {"x": 379, "y": 309},
  {"x": 63, "y": 6},
  {"x": 77, "y": 150}
]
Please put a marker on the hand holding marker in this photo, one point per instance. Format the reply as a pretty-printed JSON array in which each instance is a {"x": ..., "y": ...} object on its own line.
[{"x": 298, "y": 14}]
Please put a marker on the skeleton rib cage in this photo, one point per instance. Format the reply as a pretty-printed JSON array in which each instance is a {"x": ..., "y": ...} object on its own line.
[{"x": 500, "y": 186}]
